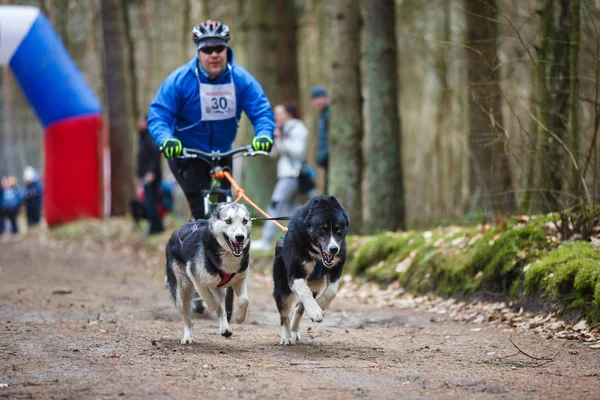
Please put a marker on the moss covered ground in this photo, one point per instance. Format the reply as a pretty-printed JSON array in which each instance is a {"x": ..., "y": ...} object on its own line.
[{"x": 521, "y": 258}]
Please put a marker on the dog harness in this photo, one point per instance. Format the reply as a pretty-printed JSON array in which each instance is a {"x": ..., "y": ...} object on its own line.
[
  {"x": 194, "y": 229},
  {"x": 225, "y": 277},
  {"x": 318, "y": 272}
]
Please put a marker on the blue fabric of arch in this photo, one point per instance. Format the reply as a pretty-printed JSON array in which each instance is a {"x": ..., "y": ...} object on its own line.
[{"x": 50, "y": 79}]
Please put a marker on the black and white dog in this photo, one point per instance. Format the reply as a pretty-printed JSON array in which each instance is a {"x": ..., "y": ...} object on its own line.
[
  {"x": 308, "y": 262},
  {"x": 211, "y": 255}
]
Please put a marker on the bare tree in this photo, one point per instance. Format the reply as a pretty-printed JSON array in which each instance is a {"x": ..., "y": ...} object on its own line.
[
  {"x": 259, "y": 174},
  {"x": 286, "y": 50},
  {"x": 9, "y": 137},
  {"x": 346, "y": 125},
  {"x": 575, "y": 174},
  {"x": 490, "y": 175},
  {"x": 383, "y": 158},
  {"x": 121, "y": 121}
]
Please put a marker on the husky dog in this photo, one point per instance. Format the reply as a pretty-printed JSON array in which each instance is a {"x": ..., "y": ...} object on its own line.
[
  {"x": 309, "y": 260},
  {"x": 211, "y": 255}
]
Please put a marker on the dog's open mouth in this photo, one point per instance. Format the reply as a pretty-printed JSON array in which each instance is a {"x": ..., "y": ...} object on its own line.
[
  {"x": 235, "y": 247},
  {"x": 327, "y": 257}
]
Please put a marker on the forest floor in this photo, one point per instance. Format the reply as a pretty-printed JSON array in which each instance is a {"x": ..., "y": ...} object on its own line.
[{"x": 89, "y": 320}]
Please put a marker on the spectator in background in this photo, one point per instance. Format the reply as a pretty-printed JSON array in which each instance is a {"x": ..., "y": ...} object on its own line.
[
  {"x": 149, "y": 174},
  {"x": 290, "y": 145},
  {"x": 12, "y": 201},
  {"x": 33, "y": 196},
  {"x": 320, "y": 101},
  {"x": 2, "y": 209}
]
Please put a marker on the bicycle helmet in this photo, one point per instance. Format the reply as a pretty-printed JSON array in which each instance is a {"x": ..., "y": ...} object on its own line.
[{"x": 210, "y": 33}]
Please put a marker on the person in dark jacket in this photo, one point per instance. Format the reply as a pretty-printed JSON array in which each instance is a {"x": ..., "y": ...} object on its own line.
[
  {"x": 33, "y": 196},
  {"x": 320, "y": 101},
  {"x": 149, "y": 173}
]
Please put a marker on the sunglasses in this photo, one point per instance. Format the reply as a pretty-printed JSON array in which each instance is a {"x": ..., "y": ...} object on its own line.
[{"x": 211, "y": 49}]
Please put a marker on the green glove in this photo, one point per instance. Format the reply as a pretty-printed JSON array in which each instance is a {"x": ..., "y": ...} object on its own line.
[
  {"x": 172, "y": 148},
  {"x": 262, "y": 143}
]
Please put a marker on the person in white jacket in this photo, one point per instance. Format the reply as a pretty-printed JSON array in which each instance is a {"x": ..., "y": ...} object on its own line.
[{"x": 290, "y": 144}]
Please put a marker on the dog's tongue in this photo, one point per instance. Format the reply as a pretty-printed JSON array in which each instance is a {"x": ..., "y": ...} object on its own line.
[{"x": 237, "y": 247}]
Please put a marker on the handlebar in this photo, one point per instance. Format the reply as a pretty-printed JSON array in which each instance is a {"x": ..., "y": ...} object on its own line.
[{"x": 248, "y": 151}]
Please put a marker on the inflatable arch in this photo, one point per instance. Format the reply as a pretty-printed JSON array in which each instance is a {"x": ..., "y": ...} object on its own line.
[{"x": 66, "y": 107}]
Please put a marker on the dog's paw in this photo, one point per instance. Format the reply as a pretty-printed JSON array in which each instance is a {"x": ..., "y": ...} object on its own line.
[
  {"x": 188, "y": 335},
  {"x": 242, "y": 310},
  {"x": 315, "y": 313},
  {"x": 187, "y": 341},
  {"x": 286, "y": 341},
  {"x": 296, "y": 336},
  {"x": 227, "y": 332}
]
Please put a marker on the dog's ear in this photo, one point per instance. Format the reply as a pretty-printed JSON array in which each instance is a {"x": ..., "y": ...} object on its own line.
[
  {"x": 314, "y": 203},
  {"x": 248, "y": 211},
  {"x": 217, "y": 211},
  {"x": 336, "y": 204}
]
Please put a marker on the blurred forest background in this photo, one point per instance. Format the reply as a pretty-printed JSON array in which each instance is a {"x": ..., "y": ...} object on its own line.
[{"x": 441, "y": 109}]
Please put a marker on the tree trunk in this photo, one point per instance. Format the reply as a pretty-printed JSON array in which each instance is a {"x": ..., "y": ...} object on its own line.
[
  {"x": 286, "y": 50},
  {"x": 345, "y": 125},
  {"x": 314, "y": 64},
  {"x": 121, "y": 120},
  {"x": 384, "y": 178},
  {"x": 489, "y": 168},
  {"x": 9, "y": 137},
  {"x": 575, "y": 173},
  {"x": 535, "y": 200},
  {"x": 259, "y": 173},
  {"x": 443, "y": 146},
  {"x": 130, "y": 49},
  {"x": 556, "y": 158}
]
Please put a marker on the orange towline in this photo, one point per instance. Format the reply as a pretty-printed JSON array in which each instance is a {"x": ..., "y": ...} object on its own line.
[{"x": 242, "y": 195}]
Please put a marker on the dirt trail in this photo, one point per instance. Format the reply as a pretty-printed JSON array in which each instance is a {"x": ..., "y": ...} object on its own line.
[{"x": 110, "y": 330}]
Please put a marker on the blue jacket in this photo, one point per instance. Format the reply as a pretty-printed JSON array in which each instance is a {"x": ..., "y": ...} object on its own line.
[
  {"x": 12, "y": 197},
  {"x": 176, "y": 112}
]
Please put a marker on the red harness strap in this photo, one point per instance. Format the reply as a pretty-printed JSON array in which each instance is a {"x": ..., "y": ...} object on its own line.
[{"x": 225, "y": 278}]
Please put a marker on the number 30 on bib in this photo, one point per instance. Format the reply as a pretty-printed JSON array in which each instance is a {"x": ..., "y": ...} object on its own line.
[{"x": 217, "y": 101}]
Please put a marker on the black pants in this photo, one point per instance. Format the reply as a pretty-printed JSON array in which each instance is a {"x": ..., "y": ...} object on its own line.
[
  {"x": 33, "y": 211},
  {"x": 151, "y": 205},
  {"x": 2, "y": 213},
  {"x": 138, "y": 210},
  {"x": 11, "y": 214},
  {"x": 194, "y": 176}
]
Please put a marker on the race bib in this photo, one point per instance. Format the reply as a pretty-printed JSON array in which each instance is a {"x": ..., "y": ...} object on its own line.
[{"x": 217, "y": 101}]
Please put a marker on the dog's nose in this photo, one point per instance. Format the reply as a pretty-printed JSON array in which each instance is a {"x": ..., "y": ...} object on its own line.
[
  {"x": 333, "y": 249},
  {"x": 240, "y": 237}
]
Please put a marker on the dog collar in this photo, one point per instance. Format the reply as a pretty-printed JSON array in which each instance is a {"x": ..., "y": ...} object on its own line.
[{"x": 225, "y": 278}]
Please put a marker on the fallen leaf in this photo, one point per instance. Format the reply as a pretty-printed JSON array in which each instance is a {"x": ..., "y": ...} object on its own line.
[
  {"x": 62, "y": 291},
  {"x": 581, "y": 326}
]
